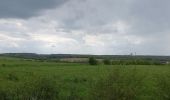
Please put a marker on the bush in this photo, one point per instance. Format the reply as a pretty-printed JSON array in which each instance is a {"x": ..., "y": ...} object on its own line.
[
  {"x": 92, "y": 61},
  {"x": 12, "y": 77},
  {"x": 107, "y": 62},
  {"x": 132, "y": 62},
  {"x": 3, "y": 65}
]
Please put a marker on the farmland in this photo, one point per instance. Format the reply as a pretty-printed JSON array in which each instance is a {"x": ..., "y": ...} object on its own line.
[{"x": 36, "y": 80}]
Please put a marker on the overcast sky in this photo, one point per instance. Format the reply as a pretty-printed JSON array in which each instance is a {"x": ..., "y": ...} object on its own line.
[{"x": 85, "y": 26}]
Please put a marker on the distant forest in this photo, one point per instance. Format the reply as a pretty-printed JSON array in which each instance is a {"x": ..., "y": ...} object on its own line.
[{"x": 60, "y": 56}]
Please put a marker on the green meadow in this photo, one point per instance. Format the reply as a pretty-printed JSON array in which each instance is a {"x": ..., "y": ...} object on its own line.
[{"x": 34, "y": 80}]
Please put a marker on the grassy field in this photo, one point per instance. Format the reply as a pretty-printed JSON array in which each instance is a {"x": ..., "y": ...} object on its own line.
[{"x": 33, "y": 80}]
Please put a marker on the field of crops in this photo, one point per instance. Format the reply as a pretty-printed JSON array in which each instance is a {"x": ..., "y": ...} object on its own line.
[{"x": 33, "y": 80}]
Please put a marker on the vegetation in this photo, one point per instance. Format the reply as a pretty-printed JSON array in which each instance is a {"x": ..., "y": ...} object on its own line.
[
  {"x": 125, "y": 59},
  {"x": 119, "y": 85},
  {"x": 22, "y": 79},
  {"x": 92, "y": 61},
  {"x": 135, "y": 62},
  {"x": 107, "y": 62}
]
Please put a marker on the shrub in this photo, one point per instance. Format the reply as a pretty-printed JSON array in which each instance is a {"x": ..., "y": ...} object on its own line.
[
  {"x": 3, "y": 65},
  {"x": 107, "y": 62},
  {"x": 12, "y": 77},
  {"x": 92, "y": 61}
]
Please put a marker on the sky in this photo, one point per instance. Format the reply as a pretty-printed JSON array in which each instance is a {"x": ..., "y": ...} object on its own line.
[{"x": 103, "y": 27}]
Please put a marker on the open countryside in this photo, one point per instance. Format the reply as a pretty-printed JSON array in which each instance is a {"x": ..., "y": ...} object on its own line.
[{"x": 40, "y": 79}]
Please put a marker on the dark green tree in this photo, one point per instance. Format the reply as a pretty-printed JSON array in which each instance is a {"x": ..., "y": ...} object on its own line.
[
  {"x": 92, "y": 61},
  {"x": 107, "y": 62}
]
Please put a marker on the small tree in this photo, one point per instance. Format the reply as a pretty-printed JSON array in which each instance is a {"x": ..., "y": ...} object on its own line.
[
  {"x": 107, "y": 62},
  {"x": 92, "y": 61}
]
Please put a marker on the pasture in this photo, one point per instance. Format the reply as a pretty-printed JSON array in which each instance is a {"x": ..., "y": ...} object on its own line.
[{"x": 33, "y": 80}]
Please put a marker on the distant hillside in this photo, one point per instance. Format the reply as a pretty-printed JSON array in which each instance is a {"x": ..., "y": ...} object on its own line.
[{"x": 61, "y": 56}]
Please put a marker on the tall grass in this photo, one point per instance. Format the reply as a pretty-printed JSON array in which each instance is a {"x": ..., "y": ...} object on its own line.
[
  {"x": 40, "y": 89},
  {"x": 32, "y": 80},
  {"x": 163, "y": 87},
  {"x": 119, "y": 85}
]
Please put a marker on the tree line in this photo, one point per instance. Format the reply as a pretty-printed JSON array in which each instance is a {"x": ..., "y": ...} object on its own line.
[{"x": 94, "y": 61}]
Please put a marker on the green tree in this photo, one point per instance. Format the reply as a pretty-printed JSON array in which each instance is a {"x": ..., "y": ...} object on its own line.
[
  {"x": 107, "y": 62},
  {"x": 92, "y": 61}
]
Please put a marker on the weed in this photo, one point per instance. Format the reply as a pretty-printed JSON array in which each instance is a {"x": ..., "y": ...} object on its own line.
[
  {"x": 119, "y": 85},
  {"x": 12, "y": 77}
]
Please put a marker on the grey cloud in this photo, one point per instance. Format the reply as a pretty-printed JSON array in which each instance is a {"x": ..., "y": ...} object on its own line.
[
  {"x": 144, "y": 16},
  {"x": 150, "y": 16},
  {"x": 147, "y": 20},
  {"x": 26, "y": 8},
  {"x": 91, "y": 14}
]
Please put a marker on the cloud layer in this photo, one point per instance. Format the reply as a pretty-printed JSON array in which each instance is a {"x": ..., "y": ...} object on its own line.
[
  {"x": 85, "y": 26},
  {"x": 26, "y": 8}
]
